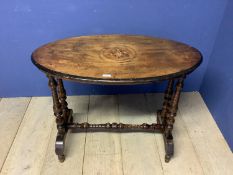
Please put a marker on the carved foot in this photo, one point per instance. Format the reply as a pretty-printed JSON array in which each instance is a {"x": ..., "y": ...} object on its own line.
[
  {"x": 60, "y": 146},
  {"x": 167, "y": 158},
  {"x": 169, "y": 147},
  {"x": 61, "y": 158}
]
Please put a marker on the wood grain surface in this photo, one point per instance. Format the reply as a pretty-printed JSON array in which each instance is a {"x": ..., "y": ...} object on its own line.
[{"x": 116, "y": 59}]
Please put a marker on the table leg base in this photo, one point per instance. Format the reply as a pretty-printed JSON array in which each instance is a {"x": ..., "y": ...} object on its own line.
[
  {"x": 164, "y": 125},
  {"x": 168, "y": 140},
  {"x": 169, "y": 147},
  {"x": 60, "y": 139},
  {"x": 116, "y": 127},
  {"x": 60, "y": 146},
  {"x": 61, "y": 158}
]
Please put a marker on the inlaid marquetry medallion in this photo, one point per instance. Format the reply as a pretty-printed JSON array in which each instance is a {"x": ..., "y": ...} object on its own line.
[{"x": 120, "y": 54}]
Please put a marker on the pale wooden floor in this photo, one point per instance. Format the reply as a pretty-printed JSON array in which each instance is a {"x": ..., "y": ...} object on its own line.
[{"x": 27, "y": 133}]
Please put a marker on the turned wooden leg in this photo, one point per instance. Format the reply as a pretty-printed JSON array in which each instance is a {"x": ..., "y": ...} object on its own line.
[
  {"x": 66, "y": 112},
  {"x": 170, "y": 114},
  {"x": 167, "y": 97},
  {"x": 60, "y": 120}
]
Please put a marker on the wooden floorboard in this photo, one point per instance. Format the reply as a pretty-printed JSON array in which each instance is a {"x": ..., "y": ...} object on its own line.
[
  {"x": 102, "y": 150},
  {"x": 12, "y": 111},
  {"x": 139, "y": 151},
  {"x": 28, "y": 147},
  {"x": 185, "y": 161},
  {"x": 213, "y": 152},
  {"x": 74, "y": 149}
]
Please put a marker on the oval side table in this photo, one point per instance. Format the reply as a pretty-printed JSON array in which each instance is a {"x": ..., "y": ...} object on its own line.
[{"x": 116, "y": 60}]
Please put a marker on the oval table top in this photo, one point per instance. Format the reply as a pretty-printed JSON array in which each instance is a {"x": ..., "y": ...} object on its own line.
[{"x": 116, "y": 59}]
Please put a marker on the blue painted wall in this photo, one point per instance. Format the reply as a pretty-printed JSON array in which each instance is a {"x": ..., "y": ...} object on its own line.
[
  {"x": 217, "y": 87},
  {"x": 26, "y": 24}
]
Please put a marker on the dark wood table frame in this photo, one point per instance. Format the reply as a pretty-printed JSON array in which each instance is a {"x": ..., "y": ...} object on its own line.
[
  {"x": 116, "y": 60},
  {"x": 164, "y": 125}
]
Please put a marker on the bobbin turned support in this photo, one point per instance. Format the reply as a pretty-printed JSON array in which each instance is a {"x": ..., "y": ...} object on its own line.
[
  {"x": 62, "y": 113},
  {"x": 164, "y": 125},
  {"x": 116, "y": 127},
  {"x": 166, "y": 116}
]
